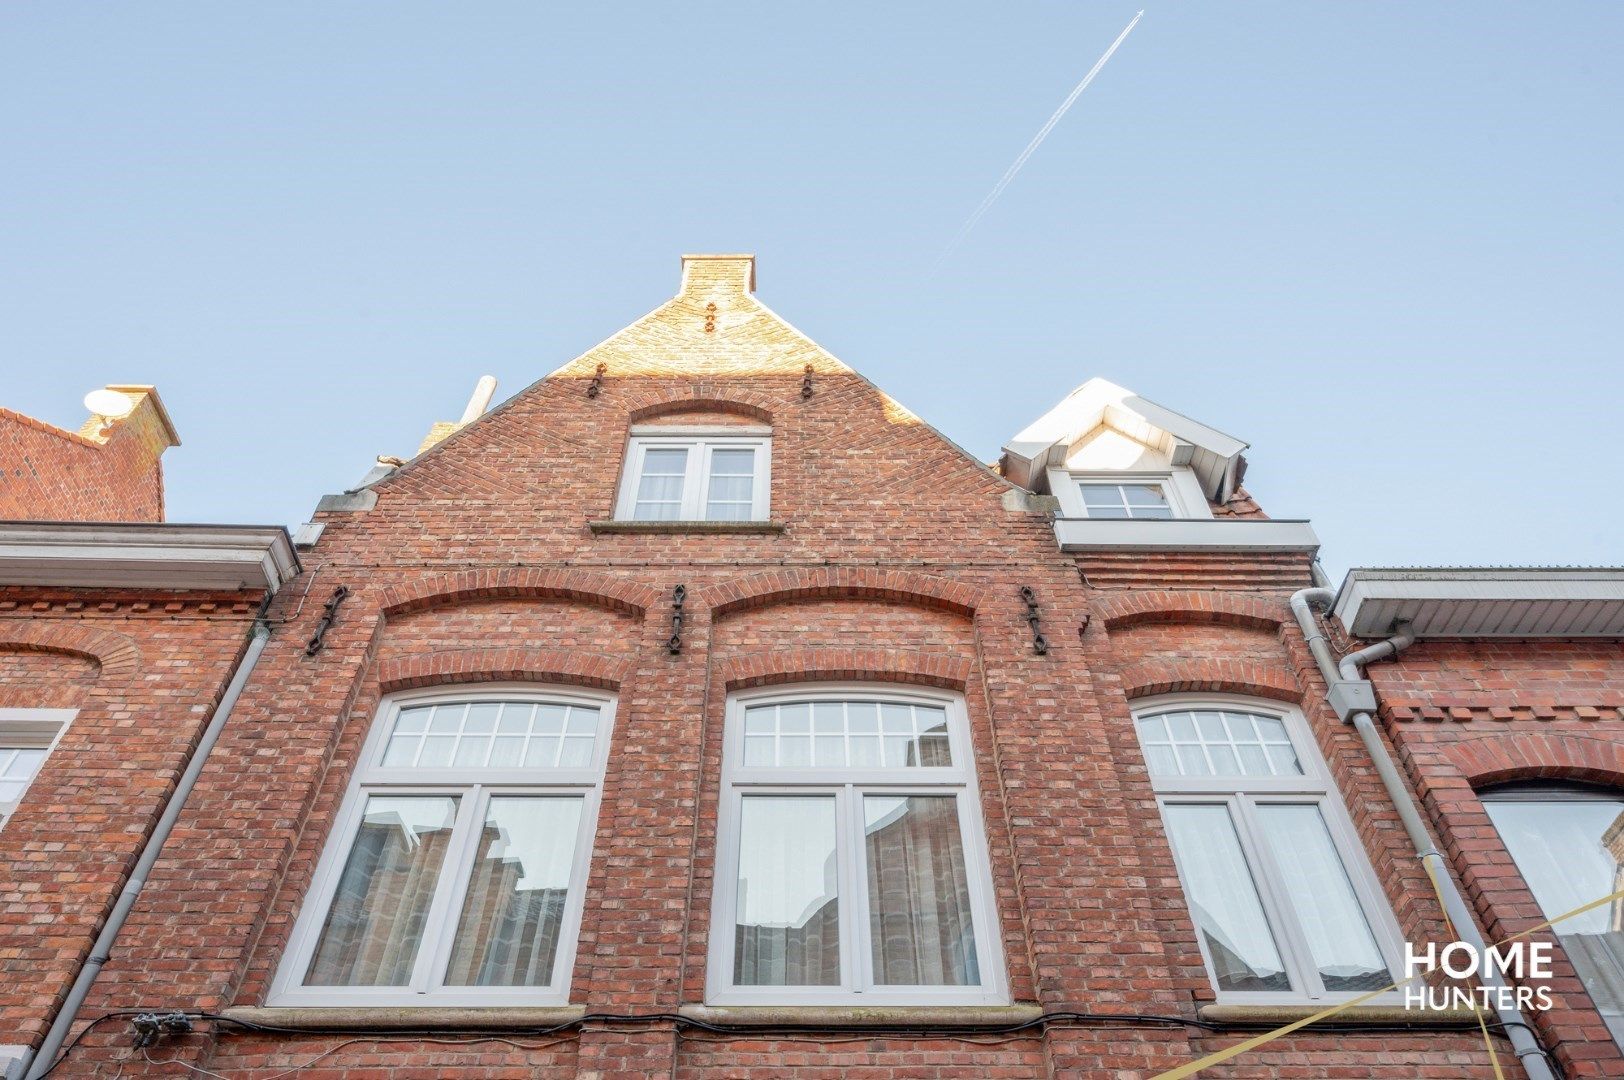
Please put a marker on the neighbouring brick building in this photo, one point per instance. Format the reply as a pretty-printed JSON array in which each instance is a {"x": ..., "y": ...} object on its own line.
[
  {"x": 118, "y": 634},
  {"x": 700, "y": 711}
]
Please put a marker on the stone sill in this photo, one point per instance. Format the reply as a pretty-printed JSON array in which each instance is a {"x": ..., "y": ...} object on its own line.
[
  {"x": 413, "y": 1017},
  {"x": 1374, "y": 1015},
  {"x": 601, "y": 528},
  {"x": 860, "y": 1016}
]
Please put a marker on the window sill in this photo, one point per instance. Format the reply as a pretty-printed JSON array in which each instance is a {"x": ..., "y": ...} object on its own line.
[
  {"x": 413, "y": 1017},
  {"x": 1374, "y": 1015},
  {"x": 870, "y": 1016},
  {"x": 609, "y": 527}
]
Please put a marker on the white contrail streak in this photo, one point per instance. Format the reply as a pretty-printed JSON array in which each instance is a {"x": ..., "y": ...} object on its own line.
[{"x": 1037, "y": 141}]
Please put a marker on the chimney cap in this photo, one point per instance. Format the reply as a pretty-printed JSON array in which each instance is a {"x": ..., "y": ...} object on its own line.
[{"x": 748, "y": 269}]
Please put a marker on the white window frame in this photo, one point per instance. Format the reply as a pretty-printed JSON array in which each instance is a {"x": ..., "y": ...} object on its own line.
[
  {"x": 1182, "y": 489},
  {"x": 475, "y": 788},
  {"x": 1240, "y": 796},
  {"x": 848, "y": 785},
  {"x": 31, "y": 729},
  {"x": 700, "y": 443}
]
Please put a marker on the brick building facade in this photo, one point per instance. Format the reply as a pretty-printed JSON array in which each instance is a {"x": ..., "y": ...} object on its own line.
[
  {"x": 700, "y": 711},
  {"x": 118, "y": 636}
]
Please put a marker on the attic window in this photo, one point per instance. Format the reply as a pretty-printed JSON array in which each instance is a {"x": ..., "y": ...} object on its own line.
[
  {"x": 1136, "y": 500},
  {"x": 696, "y": 477}
]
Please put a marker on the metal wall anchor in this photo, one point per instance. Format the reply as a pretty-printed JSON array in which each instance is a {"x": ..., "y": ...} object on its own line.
[
  {"x": 329, "y": 615},
  {"x": 1040, "y": 644},
  {"x": 673, "y": 644}
]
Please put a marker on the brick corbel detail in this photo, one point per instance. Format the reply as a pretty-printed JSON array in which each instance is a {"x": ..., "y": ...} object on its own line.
[
  {"x": 1209, "y": 676},
  {"x": 867, "y": 665},
  {"x": 580, "y": 586},
  {"x": 454, "y": 666},
  {"x": 1191, "y": 606},
  {"x": 114, "y": 653},
  {"x": 838, "y": 583}
]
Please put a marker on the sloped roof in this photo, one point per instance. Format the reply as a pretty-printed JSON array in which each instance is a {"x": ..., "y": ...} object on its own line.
[{"x": 1215, "y": 458}]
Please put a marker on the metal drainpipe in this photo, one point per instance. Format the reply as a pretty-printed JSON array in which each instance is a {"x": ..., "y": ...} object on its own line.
[
  {"x": 1524, "y": 1043},
  {"x": 37, "y": 1064}
]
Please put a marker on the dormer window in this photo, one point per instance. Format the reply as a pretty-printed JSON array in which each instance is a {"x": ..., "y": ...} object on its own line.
[
  {"x": 1137, "y": 500},
  {"x": 696, "y": 477}
]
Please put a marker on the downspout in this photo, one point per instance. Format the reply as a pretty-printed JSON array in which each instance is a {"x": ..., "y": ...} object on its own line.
[
  {"x": 1354, "y": 698},
  {"x": 38, "y": 1063}
]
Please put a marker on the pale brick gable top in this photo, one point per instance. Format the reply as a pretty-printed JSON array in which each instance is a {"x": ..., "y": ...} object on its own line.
[{"x": 747, "y": 344}]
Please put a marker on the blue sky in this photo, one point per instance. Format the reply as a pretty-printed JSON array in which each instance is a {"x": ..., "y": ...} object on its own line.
[{"x": 1384, "y": 243}]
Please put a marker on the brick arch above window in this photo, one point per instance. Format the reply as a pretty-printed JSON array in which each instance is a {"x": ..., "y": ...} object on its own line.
[
  {"x": 441, "y": 590},
  {"x": 845, "y": 665},
  {"x": 1191, "y": 606},
  {"x": 112, "y": 652},
  {"x": 736, "y": 403},
  {"x": 451, "y": 667},
  {"x": 1506, "y": 756},
  {"x": 1211, "y": 677},
  {"x": 838, "y": 583}
]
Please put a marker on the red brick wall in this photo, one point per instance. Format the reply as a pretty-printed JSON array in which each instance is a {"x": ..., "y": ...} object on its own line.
[
  {"x": 897, "y": 562},
  {"x": 143, "y": 682},
  {"x": 55, "y": 475},
  {"x": 1463, "y": 716}
]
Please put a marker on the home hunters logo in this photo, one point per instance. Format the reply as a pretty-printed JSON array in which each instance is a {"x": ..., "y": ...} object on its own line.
[{"x": 1522, "y": 962}]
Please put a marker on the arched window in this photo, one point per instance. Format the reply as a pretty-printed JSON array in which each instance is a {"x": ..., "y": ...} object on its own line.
[
  {"x": 1285, "y": 904},
  {"x": 1568, "y": 843},
  {"x": 852, "y": 862},
  {"x": 454, "y": 872}
]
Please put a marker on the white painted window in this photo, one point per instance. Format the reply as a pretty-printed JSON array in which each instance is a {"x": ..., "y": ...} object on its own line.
[
  {"x": 1137, "y": 494},
  {"x": 26, "y": 739},
  {"x": 682, "y": 477},
  {"x": 455, "y": 870},
  {"x": 1568, "y": 843},
  {"x": 1141, "y": 499},
  {"x": 1284, "y": 901},
  {"x": 852, "y": 863}
]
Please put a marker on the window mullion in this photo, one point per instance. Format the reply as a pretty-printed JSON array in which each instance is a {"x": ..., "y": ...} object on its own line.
[
  {"x": 696, "y": 482},
  {"x": 861, "y": 978},
  {"x": 439, "y": 924},
  {"x": 1277, "y": 903}
]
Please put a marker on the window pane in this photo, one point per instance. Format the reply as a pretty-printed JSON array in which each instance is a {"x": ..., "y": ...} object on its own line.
[
  {"x": 1223, "y": 899},
  {"x": 1569, "y": 853},
  {"x": 787, "y": 930},
  {"x": 1101, "y": 495},
  {"x": 1208, "y": 743},
  {"x": 375, "y": 923},
  {"x": 459, "y": 737},
  {"x": 1339, "y": 938},
  {"x": 732, "y": 462},
  {"x": 920, "y": 929},
  {"x": 23, "y": 764},
  {"x": 514, "y": 907},
  {"x": 1144, "y": 495},
  {"x": 845, "y": 734},
  {"x": 659, "y": 488}
]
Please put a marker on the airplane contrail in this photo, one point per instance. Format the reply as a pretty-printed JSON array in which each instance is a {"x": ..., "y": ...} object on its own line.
[{"x": 1037, "y": 140}]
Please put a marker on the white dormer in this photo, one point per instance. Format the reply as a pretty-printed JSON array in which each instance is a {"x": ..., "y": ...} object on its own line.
[
  {"x": 1129, "y": 474},
  {"x": 1111, "y": 475},
  {"x": 1100, "y": 408}
]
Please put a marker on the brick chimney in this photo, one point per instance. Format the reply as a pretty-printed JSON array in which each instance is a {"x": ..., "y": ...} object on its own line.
[{"x": 110, "y": 470}]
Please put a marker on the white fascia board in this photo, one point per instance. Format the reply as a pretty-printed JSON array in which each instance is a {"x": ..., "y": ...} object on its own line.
[
  {"x": 1464, "y": 602},
  {"x": 155, "y": 556},
  {"x": 1044, "y": 441},
  {"x": 1188, "y": 534}
]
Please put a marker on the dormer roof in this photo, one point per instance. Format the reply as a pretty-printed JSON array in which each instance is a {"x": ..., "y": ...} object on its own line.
[{"x": 1215, "y": 458}]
